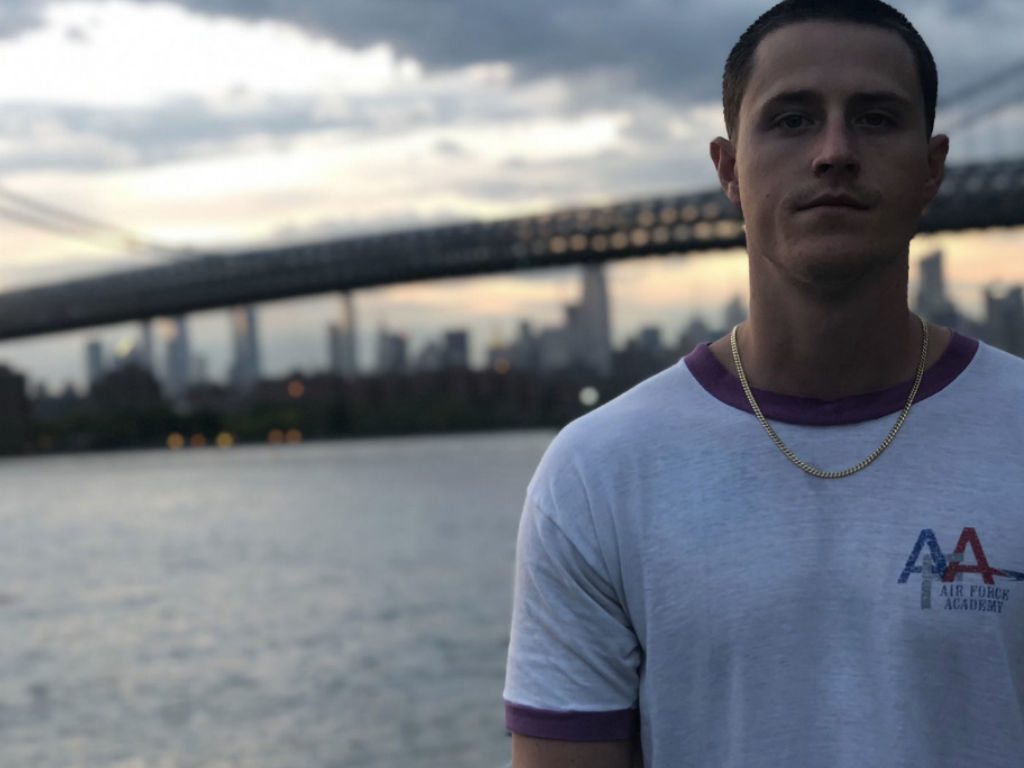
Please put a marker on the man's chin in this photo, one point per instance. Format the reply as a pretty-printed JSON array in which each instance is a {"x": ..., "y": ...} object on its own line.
[{"x": 844, "y": 271}]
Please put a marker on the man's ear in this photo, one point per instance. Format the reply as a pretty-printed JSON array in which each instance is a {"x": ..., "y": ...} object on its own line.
[
  {"x": 723, "y": 155},
  {"x": 938, "y": 149}
]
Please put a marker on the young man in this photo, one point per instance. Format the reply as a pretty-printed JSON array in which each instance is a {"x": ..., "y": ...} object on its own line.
[{"x": 803, "y": 545}]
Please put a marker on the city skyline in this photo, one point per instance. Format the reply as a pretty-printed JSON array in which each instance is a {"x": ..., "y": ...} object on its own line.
[{"x": 534, "y": 348}]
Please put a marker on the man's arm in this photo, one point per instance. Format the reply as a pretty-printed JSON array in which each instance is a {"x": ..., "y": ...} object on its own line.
[{"x": 549, "y": 753}]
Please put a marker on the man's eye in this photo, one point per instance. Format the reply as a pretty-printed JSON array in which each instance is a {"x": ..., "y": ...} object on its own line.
[
  {"x": 791, "y": 122},
  {"x": 877, "y": 120}
]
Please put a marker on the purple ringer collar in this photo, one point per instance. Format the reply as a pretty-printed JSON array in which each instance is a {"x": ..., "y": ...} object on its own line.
[{"x": 721, "y": 384}]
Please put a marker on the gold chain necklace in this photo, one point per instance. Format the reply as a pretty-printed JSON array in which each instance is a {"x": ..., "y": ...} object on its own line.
[{"x": 790, "y": 455}]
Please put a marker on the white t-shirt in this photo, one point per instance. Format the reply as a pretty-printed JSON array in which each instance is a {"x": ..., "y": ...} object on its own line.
[{"x": 679, "y": 578}]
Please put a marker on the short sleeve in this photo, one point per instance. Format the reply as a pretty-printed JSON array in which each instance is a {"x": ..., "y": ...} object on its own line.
[{"x": 573, "y": 657}]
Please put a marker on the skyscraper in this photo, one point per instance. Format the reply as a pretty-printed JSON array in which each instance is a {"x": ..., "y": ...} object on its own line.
[
  {"x": 1004, "y": 320},
  {"x": 593, "y": 341},
  {"x": 94, "y": 361},
  {"x": 932, "y": 301},
  {"x": 146, "y": 345},
  {"x": 245, "y": 369},
  {"x": 391, "y": 352},
  {"x": 178, "y": 360},
  {"x": 341, "y": 340}
]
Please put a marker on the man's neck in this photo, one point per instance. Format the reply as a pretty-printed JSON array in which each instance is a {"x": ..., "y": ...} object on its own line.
[{"x": 807, "y": 347}]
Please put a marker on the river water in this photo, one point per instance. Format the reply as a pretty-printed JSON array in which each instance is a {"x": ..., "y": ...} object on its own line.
[{"x": 328, "y": 605}]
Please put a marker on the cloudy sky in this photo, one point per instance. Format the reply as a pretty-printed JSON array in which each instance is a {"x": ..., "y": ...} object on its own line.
[{"x": 224, "y": 123}]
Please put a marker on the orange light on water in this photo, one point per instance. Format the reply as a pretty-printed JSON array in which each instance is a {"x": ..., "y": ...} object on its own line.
[
  {"x": 275, "y": 437},
  {"x": 293, "y": 437},
  {"x": 175, "y": 441},
  {"x": 296, "y": 389}
]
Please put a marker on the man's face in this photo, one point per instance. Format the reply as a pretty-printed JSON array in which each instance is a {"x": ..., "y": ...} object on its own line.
[{"x": 831, "y": 163}]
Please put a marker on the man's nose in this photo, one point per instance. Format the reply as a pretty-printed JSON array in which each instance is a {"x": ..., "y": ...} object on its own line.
[{"x": 836, "y": 151}]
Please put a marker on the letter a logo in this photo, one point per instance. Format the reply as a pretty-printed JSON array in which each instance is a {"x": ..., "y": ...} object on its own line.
[
  {"x": 970, "y": 536},
  {"x": 936, "y": 565}
]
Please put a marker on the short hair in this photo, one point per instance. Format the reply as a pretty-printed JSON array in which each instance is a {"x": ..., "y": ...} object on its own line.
[{"x": 740, "y": 64}]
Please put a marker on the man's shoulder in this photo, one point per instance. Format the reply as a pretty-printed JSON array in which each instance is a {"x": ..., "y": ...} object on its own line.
[
  {"x": 649, "y": 405},
  {"x": 994, "y": 371},
  {"x": 645, "y": 420}
]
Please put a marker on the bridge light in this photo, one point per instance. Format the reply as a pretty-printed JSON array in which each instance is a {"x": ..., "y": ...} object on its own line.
[
  {"x": 296, "y": 389},
  {"x": 690, "y": 213},
  {"x": 275, "y": 437},
  {"x": 669, "y": 215},
  {"x": 660, "y": 235},
  {"x": 225, "y": 440},
  {"x": 712, "y": 210},
  {"x": 175, "y": 441},
  {"x": 578, "y": 242},
  {"x": 599, "y": 243},
  {"x": 293, "y": 437},
  {"x": 682, "y": 233},
  {"x": 645, "y": 219},
  {"x": 589, "y": 397},
  {"x": 558, "y": 244},
  {"x": 727, "y": 230},
  {"x": 197, "y": 440},
  {"x": 639, "y": 237},
  {"x": 704, "y": 230},
  {"x": 619, "y": 241},
  {"x": 502, "y": 366}
]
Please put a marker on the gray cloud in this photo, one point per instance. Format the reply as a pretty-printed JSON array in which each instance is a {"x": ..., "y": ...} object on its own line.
[
  {"x": 672, "y": 48},
  {"x": 614, "y": 52},
  {"x": 17, "y": 16},
  {"x": 84, "y": 138}
]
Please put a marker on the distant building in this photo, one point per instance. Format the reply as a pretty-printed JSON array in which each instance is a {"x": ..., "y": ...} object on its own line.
[
  {"x": 643, "y": 355},
  {"x": 1004, "y": 320},
  {"x": 554, "y": 352},
  {"x": 341, "y": 341},
  {"x": 932, "y": 302},
  {"x": 523, "y": 354},
  {"x": 592, "y": 334},
  {"x": 14, "y": 411},
  {"x": 245, "y": 367},
  {"x": 130, "y": 388},
  {"x": 430, "y": 358},
  {"x": 198, "y": 371},
  {"x": 455, "y": 353},
  {"x": 697, "y": 332},
  {"x": 391, "y": 352},
  {"x": 178, "y": 361},
  {"x": 735, "y": 313},
  {"x": 146, "y": 346},
  {"x": 649, "y": 340},
  {"x": 94, "y": 366}
]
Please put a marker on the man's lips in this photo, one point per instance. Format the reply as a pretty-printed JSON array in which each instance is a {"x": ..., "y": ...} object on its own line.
[{"x": 834, "y": 201}]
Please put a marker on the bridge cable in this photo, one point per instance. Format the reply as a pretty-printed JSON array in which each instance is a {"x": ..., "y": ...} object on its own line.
[
  {"x": 63, "y": 223},
  {"x": 982, "y": 85}
]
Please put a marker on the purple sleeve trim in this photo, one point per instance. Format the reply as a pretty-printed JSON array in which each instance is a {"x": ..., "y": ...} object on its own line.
[
  {"x": 722, "y": 385},
  {"x": 619, "y": 725}
]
